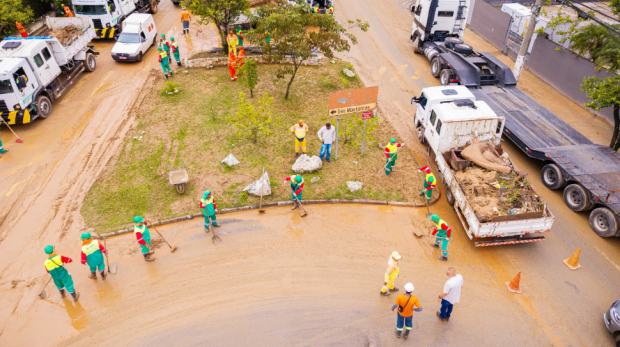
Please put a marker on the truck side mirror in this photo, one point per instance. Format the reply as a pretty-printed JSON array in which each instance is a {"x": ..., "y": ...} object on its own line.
[{"x": 414, "y": 100}]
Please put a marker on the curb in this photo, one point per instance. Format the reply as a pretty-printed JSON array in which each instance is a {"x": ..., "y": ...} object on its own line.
[{"x": 279, "y": 203}]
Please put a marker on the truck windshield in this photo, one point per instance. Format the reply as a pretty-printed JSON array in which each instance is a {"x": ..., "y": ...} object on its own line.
[
  {"x": 90, "y": 9},
  {"x": 6, "y": 87},
  {"x": 129, "y": 38}
]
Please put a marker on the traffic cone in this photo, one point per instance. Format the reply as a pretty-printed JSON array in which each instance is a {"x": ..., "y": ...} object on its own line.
[
  {"x": 514, "y": 285},
  {"x": 573, "y": 261}
]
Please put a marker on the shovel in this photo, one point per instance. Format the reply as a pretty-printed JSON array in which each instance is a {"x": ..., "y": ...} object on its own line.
[
  {"x": 299, "y": 202},
  {"x": 215, "y": 238},
  {"x": 43, "y": 294},
  {"x": 111, "y": 270},
  {"x": 383, "y": 170},
  {"x": 173, "y": 247},
  {"x": 260, "y": 207}
]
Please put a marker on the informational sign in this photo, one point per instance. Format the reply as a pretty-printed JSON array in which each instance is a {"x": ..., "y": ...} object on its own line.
[
  {"x": 353, "y": 101},
  {"x": 367, "y": 115}
]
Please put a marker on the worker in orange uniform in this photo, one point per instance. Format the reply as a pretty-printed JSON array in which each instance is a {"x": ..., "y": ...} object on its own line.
[
  {"x": 240, "y": 59},
  {"x": 232, "y": 65},
  {"x": 67, "y": 10},
  {"x": 185, "y": 18},
  {"x": 21, "y": 29},
  {"x": 300, "y": 131},
  {"x": 429, "y": 182}
]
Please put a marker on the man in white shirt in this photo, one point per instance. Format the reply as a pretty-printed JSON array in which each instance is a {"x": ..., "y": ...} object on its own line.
[
  {"x": 451, "y": 294},
  {"x": 327, "y": 135}
]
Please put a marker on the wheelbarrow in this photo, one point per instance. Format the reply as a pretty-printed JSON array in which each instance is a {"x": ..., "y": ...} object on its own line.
[{"x": 178, "y": 178}]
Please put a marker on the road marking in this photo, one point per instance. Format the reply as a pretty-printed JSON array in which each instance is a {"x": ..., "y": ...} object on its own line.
[{"x": 606, "y": 257}]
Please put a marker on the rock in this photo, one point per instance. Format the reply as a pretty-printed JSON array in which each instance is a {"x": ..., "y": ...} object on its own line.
[
  {"x": 333, "y": 62},
  {"x": 230, "y": 160},
  {"x": 315, "y": 179},
  {"x": 306, "y": 164},
  {"x": 255, "y": 188},
  {"x": 185, "y": 71},
  {"x": 348, "y": 72},
  {"x": 354, "y": 186}
]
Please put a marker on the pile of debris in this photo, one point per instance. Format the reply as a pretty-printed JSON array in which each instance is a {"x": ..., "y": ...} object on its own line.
[{"x": 66, "y": 35}]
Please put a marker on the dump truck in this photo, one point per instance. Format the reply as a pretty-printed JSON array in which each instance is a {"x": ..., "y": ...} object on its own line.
[
  {"x": 35, "y": 71},
  {"x": 108, "y": 15},
  {"x": 495, "y": 207},
  {"x": 588, "y": 173}
]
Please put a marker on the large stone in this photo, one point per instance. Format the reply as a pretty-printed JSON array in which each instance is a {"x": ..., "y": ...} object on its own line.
[
  {"x": 348, "y": 72},
  {"x": 230, "y": 160},
  {"x": 259, "y": 187},
  {"x": 354, "y": 186},
  {"x": 306, "y": 164}
]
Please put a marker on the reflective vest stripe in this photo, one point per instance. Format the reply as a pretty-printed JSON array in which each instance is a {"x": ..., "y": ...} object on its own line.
[
  {"x": 434, "y": 179},
  {"x": 163, "y": 55},
  {"x": 139, "y": 229},
  {"x": 53, "y": 263},
  {"x": 91, "y": 248}
]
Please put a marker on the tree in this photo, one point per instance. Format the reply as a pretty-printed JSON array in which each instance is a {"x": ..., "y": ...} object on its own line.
[
  {"x": 352, "y": 130},
  {"x": 249, "y": 75},
  {"x": 296, "y": 33},
  {"x": 223, "y": 13},
  {"x": 605, "y": 92},
  {"x": 12, "y": 11},
  {"x": 251, "y": 121}
]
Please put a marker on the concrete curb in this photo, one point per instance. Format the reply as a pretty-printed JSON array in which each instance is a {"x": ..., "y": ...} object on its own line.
[{"x": 271, "y": 204}]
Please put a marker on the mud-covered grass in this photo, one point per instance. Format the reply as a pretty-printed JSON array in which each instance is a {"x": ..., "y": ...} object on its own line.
[{"x": 191, "y": 127}]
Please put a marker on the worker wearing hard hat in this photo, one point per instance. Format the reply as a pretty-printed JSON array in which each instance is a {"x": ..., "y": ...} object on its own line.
[
  {"x": 297, "y": 188},
  {"x": 175, "y": 51},
  {"x": 391, "y": 156},
  {"x": 442, "y": 234},
  {"x": 430, "y": 182},
  {"x": 143, "y": 236},
  {"x": 67, "y": 10},
  {"x": 55, "y": 266},
  {"x": 406, "y": 303},
  {"x": 165, "y": 44},
  {"x": 163, "y": 60},
  {"x": 92, "y": 254},
  {"x": 208, "y": 206},
  {"x": 390, "y": 274},
  {"x": 300, "y": 129}
]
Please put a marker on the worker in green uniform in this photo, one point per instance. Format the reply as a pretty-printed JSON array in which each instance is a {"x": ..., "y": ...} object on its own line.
[
  {"x": 55, "y": 267},
  {"x": 240, "y": 36},
  {"x": 163, "y": 60},
  {"x": 442, "y": 234},
  {"x": 391, "y": 156},
  {"x": 92, "y": 253},
  {"x": 175, "y": 51},
  {"x": 165, "y": 44},
  {"x": 429, "y": 182},
  {"x": 2, "y": 150},
  {"x": 208, "y": 206},
  {"x": 297, "y": 188},
  {"x": 143, "y": 236}
]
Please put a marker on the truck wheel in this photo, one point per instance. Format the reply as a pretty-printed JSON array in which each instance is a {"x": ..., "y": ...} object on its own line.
[
  {"x": 421, "y": 135},
  {"x": 154, "y": 40},
  {"x": 140, "y": 56},
  {"x": 552, "y": 176},
  {"x": 445, "y": 77},
  {"x": 153, "y": 7},
  {"x": 416, "y": 45},
  {"x": 576, "y": 197},
  {"x": 90, "y": 63},
  {"x": 435, "y": 67},
  {"x": 604, "y": 222},
  {"x": 44, "y": 106},
  {"x": 450, "y": 197}
]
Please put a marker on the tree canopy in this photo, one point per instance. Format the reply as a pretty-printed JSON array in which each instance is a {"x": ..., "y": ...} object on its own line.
[
  {"x": 12, "y": 11},
  {"x": 605, "y": 92}
]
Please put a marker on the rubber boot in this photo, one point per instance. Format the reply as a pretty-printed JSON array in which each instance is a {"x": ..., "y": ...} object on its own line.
[
  {"x": 406, "y": 334},
  {"x": 421, "y": 193},
  {"x": 443, "y": 258},
  {"x": 397, "y": 333},
  {"x": 294, "y": 205},
  {"x": 62, "y": 293},
  {"x": 166, "y": 75},
  {"x": 394, "y": 290},
  {"x": 387, "y": 293},
  {"x": 75, "y": 295},
  {"x": 102, "y": 273},
  {"x": 215, "y": 225},
  {"x": 178, "y": 63},
  {"x": 92, "y": 276},
  {"x": 296, "y": 154},
  {"x": 148, "y": 258},
  {"x": 171, "y": 74},
  {"x": 436, "y": 245}
]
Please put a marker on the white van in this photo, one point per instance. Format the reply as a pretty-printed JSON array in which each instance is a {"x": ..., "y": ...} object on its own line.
[{"x": 139, "y": 33}]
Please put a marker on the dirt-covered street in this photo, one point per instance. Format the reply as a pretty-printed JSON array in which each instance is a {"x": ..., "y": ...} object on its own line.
[{"x": 278, "y": 279}]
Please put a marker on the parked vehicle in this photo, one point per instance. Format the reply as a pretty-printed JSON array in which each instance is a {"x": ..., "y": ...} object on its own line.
[
  {"x": 108, "y": 15},
  {"x": 35, "y": 71},
  {"x": 612, "y": 321},
  {"x": 588, "y": 173},
  {"x": 449, "y": 119},
  {"x": 139, "y": 33}
]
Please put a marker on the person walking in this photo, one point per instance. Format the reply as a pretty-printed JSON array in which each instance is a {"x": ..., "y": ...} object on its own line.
[
  {"x": 92, "y": 253},
  {"x": 240, "y": 37},
  {"x": 67, "y": 10},
  {"x": 185, "y": 18},
  {"x": 327, "y": 135},
  {"x": 240, "y": 59},
  {"x": 21, "y": 29},
  {"x": 390, "y": 274},
  {"x": 391, "y": 156},
  {"x": 232, "y": 65},
  {"x": 165, "y": 44},
  {"x": 143, "y": 236},
  {"x": 300, "y": 129},
  {"x": 406, "y": 304},
  {"x": 442, "y": 234},
  {"x": 297, "y": 188},
  {"x": 175, "y": 51},
  {"x": 429, "y": 182},
  {"x": 451, "y": 294},
  {"x": 163, "y": 60},
  {"x": 232, "y": 40},
  {"x": 54, "y": 265},
  {"x": 208, "y": 206}
]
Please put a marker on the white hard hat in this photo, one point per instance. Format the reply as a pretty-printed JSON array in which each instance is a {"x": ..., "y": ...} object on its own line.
[
  {"x": 395, "y": 255},
  {"x": 409, "y": 287}
]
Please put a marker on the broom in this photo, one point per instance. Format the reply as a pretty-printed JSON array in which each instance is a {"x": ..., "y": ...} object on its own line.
[{"x": 7, "y": 124}]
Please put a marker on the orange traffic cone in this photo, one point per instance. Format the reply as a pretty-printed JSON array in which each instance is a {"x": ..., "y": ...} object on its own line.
[
  {"x": 573, "y": 261},
  {"x": 514, "y": 285}
]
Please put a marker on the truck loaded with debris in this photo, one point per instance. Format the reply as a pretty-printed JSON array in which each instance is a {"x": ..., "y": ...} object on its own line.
[
  {"x": 35, "y": 71},
  {"x": 492, "y": 198},
  {"x": 108, "y": 16}
]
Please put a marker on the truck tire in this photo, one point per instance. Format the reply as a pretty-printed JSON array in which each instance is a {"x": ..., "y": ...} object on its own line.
[
  {"x": 576, "y": 197},
  {"x": 44, "y": 106},
  {"x": 552, "y": 177},
  {"x": 604, "y": 222},
  {"x": 90, "y": 63},
  {"x": 140, "y": 57},
  {"x": 463, "y": 48},
  {"x": 445, "y": 77},
  {"x": 421, "y": 135},
  {"x": 154, "y": 40},
  {"x": 153, "y": 7},
  {"x": 450, "y": 197},
  {"x": 416, "y": 44},
  {"x": 435, "y": 67},
  {"x": 451, "y": 41}
]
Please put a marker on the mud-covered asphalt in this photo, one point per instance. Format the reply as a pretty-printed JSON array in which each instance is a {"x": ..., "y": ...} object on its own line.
[{"x": 277, "y": 279}]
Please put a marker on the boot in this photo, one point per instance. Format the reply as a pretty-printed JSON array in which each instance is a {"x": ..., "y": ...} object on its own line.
[
  {"x": 387, "y": 292},
  {"x": 207, "y": 230},
  {"x": 421, "y": 193},
  {"x": 397, "y": 333},
  {"x": 75, "y": 295},
  {"x": 92, "y": 276},
  {"x": 171, "y": 74},
  {"x": 394, "y": 289},
  {"x": 294, "y": 205},
  {"x": 439, "y": 316},
  {"x": 166, "y": 75},
  {"x": 436, "y": 245},
  {"x": 406, "y": 334},
  {"x": 62, "y": 293},
  {"x": 178, "y": 63},
  {"x": 296, "y": 154},
  {"x": 148, "y": 258},
  {"x": 150, "y": 252},
  {"x": 444, "y": 258},
  {"x": 102, "y": 273},
  {"x": 215, "y": 224}
]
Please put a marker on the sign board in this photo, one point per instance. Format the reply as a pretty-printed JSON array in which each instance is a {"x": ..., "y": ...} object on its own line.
[
  {"x": 353, "y": 101},
  {"x": 366, "y": 115}
]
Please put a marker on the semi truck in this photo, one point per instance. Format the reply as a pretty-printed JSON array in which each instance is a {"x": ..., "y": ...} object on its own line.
[
  {"x": 35, "y": 71},
  {"x": 588, "y": 173},
  {"x": 108, "y": 15},
  {"x": 450, "y": 119}
]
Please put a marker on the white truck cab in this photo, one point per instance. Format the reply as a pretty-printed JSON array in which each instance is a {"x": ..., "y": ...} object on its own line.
[
  {"x": 108, "y": 15},
  {"x": 434, "y": 20},
  {"x": 139, "y": 33}
]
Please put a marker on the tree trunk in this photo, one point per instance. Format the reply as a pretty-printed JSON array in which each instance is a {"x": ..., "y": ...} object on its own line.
[
  {"x": 295, "y": 67},
  {"x": 615, "y": 139},
  {"x": 251, "y": 93},
  {"x": 223, "y": 33}
]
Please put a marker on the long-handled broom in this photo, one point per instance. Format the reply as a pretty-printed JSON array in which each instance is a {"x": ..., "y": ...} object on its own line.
[{"x": 7, "y": 124}]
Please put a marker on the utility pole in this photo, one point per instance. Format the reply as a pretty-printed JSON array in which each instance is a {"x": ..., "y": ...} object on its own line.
[{"x": 520, "y": 62}]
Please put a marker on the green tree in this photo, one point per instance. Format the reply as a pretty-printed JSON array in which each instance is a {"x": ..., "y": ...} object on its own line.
[
  {"x": 223, "y": 13},
  {"x": 249, "y": 75},
  {"x": 251, "y": 121},
  {"x": 12, "y": 11},
  {"x": 605, "y": 92},
  {"x": 351, "y": 130},
  {"x": 296, "y": 33}
]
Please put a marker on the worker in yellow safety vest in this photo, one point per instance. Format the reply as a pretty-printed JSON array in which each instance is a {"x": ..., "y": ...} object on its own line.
[
  {"x": 430, "y": 182},
  {"x": 92, "y": 254},
  {"x": 55, "y": 266},
  {"x": 390, "y": 274},
  {"x": 391, "y": 156},
  {"x": 163, "y": 60},
  {"x": 316, "y": 8},
  {"x": 300, "y": 131}
]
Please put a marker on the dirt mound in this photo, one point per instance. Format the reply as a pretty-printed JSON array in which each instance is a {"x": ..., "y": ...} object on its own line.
[
  {"x": 66, "y": 35},
  {"x": 484, "y": 154}
]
